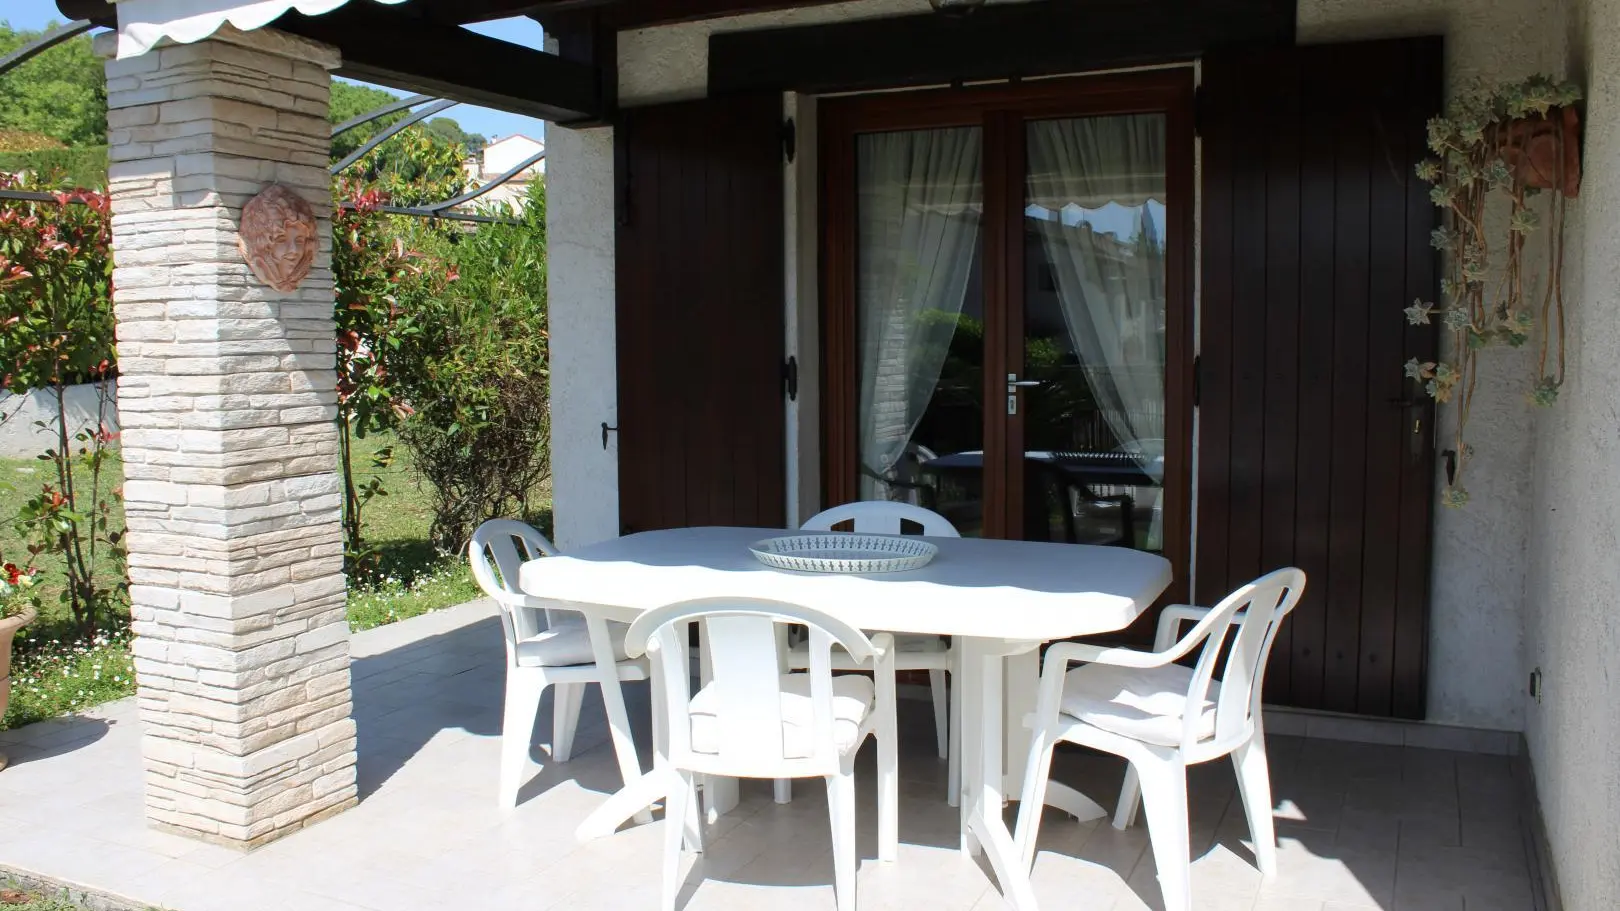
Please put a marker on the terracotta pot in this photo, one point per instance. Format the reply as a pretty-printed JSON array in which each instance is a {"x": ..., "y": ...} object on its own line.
[
  {"x": 8, "y": 628},
  {"x": 1544, "y": 149}
]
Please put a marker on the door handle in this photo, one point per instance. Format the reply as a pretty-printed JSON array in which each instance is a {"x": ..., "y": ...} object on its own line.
[{"x": 1013, "y": 385}]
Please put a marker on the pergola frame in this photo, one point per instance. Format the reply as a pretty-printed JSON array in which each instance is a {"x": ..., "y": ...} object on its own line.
[{"x": 444, "y": 209}]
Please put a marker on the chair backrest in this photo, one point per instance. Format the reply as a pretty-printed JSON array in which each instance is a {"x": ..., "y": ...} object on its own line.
[
  {"x": 1249, "y": 618},
  {"x": 499, "y": 547},
  {"x": 746, "y": 689},
  {"x": 882, "y": 517}
]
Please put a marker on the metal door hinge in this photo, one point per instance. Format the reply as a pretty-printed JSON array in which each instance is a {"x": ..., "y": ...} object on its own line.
[{"x": 790, "y": 378}]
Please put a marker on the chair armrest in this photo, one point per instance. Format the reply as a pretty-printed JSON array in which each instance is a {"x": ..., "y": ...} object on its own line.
[
  {"x": 1062, "y": 654},
  {"x": 1056, "y": 667},
  {"x": 1171, "y": 619}
]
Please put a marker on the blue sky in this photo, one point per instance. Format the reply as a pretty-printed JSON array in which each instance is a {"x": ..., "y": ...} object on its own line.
[{"x": 36, "y": 14}]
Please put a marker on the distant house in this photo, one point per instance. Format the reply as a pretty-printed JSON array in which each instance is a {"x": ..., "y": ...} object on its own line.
[{"x": 501, "y": 156}]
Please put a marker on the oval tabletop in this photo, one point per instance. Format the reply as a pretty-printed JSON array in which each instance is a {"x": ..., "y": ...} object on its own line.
[{"x": 979, "y": 587}]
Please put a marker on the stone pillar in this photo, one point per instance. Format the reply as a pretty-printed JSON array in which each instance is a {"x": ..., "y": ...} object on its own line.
[{"x": 228, "y": 404}]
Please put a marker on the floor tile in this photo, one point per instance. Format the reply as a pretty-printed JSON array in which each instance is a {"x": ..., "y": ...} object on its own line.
[{"x": 1361, "y": 826}]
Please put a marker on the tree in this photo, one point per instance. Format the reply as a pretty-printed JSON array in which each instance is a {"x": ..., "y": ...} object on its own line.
[
  {"x": 62, "y": 93},
  {"x": 350, "y": 101},
  {"x": 451, "y": 131},
  {"x": 420, "y": 164}
]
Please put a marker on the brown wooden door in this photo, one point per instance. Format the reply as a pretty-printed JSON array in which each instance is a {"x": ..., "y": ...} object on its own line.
[
  {"x": 700, "y": 314},
  {"x": 1315, "y": 237}
]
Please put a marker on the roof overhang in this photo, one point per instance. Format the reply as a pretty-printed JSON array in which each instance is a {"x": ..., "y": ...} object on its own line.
[
  {"x": 142, "y": 24},
  {"x": 413, "y": 45}
]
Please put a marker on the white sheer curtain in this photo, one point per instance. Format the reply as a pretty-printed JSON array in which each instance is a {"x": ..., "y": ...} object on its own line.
[
  {"x": 919, "y": 201},
  {"x": 1111, "y": 287}
]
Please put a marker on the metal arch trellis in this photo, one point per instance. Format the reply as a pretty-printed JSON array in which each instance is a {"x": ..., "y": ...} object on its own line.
[
  {"x": 45, "y": 42},
  {"x": 389, "y": 133},
  {"x": 444, "y": 210}
]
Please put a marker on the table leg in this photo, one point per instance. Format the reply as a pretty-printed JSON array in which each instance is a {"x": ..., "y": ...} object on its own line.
[
  {"x": 624, "y": 745},
  {"x": 630, "y": 801},
  {"x": 983, "y": 725},
  {"x": 1023, "y": 682}
]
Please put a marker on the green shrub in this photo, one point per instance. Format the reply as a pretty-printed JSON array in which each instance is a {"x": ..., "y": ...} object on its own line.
[
  {"x": 56, "y": 310},
  {"x": 474, "y": 371}
]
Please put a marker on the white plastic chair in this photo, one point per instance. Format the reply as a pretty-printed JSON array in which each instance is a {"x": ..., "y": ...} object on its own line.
[
  {"x": 913, "y": 652},
  {"x": 562, "y": 651},
  {"x": 753, "y": 721},
  {"x": 1163, "y": 717}
]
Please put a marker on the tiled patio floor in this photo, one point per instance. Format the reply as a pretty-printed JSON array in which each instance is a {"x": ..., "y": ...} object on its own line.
[{"x": 1362, "y": 827}]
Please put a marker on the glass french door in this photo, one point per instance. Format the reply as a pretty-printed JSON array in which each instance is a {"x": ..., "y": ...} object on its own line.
[
  {"x": 1091, "y": 395},
  {"x": 920, "y": 320},
  {"x": 1007, "y": 307}
]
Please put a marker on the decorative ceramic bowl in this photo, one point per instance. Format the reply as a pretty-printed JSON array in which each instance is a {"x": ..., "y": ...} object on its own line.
[{"x": 841, "y": 552}]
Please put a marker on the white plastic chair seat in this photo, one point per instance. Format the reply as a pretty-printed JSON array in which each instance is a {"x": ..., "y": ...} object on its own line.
[
  {"x": 567, "y": 644},
  {"x": 1145, "y": 704},
  {"x": 853, "y": 698}
]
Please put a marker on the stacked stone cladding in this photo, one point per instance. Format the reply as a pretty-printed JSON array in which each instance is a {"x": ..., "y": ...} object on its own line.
[{"x": 227, "y": 400}]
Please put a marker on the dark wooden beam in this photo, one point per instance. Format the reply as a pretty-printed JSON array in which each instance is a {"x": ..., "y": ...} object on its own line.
[
  {"x": 461, "y": 12},
  {"x": 390, "y": 48},
  {"x": 629, "y": 14},
  {"x": 584, "y": 37},
  {"x": 1042, "y": 38}
]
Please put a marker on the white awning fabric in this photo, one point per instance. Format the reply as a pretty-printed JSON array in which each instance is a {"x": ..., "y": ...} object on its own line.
[{"x": 144, "y": 23}]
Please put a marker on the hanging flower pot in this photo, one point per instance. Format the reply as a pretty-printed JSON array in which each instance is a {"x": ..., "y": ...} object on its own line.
[
  {"x": 1496, "y": 156},
  {"x": 1544, "y": 150}
]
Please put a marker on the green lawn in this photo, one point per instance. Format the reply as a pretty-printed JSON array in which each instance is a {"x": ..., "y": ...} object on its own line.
[
  {"x": 20, "y": 480},
  {"x": 415, "y": 579},
  {"x": 54, "y": 673}
]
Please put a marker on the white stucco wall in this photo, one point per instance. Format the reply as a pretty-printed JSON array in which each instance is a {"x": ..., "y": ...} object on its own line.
[
  {"x": 1476, "y": 632},
  {"x": 655, "y": 65},
  {"x": 1477, "y": 652},
  {"x": 1572, "y": 622},
  {"x": 579, "y": 231},
  {"x": 22, "y": 438},
  {"x": 503, "y": 155}
]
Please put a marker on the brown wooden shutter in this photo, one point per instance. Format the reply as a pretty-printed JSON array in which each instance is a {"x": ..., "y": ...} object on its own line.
[
  {"x": 699, "y": 267},
  {"x": 1315, "y": 238}
]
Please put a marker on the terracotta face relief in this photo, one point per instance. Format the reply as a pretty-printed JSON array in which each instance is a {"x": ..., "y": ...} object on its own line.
[{"x": 277, "y": 237}]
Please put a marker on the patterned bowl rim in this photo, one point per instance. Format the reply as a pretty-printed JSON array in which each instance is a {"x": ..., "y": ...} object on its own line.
[{"x": 912, "y": 546}]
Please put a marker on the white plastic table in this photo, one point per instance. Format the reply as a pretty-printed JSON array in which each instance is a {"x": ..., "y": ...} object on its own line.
[{"x": 998, "y": 598}]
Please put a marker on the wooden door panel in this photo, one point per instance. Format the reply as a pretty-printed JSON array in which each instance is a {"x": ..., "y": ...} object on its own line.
[
  {"x": 699, "y": 315},
  {"x": 1315, "y": 238}
]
